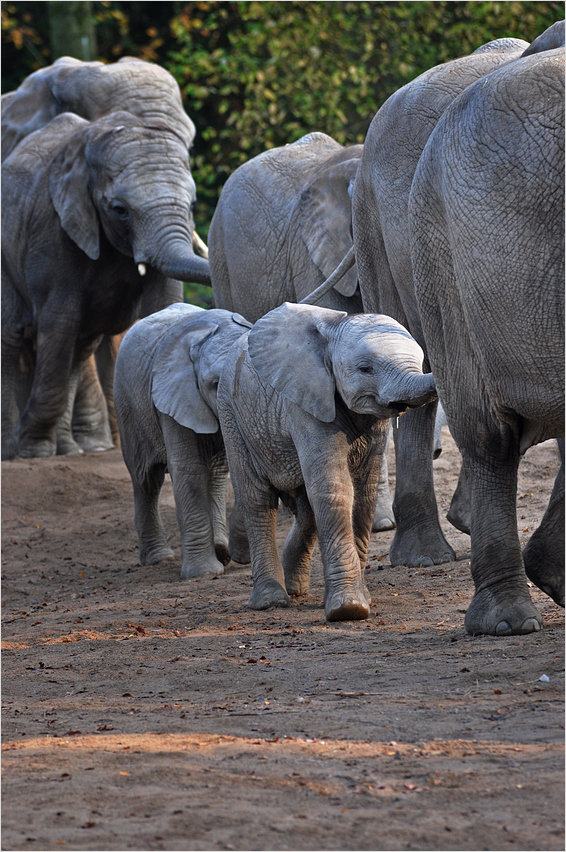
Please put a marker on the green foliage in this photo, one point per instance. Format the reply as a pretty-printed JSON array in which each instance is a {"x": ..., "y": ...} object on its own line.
[{"x": 256, "y": 75}]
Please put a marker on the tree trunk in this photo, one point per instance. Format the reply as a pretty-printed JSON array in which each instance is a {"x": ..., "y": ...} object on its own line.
[{"x": 71, "y": 29}]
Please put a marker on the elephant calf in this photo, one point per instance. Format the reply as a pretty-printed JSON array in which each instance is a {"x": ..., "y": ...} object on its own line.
[
  {"x": 167, "y": 373},
  {"x": 304, "y": 404}
]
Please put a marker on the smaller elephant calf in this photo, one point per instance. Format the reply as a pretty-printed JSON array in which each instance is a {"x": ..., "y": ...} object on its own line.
[
  {"x": 165, "y": 384},
  {"x": 304, "y": 404}
]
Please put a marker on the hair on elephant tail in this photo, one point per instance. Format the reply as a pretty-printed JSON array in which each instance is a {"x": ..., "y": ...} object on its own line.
[{"x": 345, "y": 264}]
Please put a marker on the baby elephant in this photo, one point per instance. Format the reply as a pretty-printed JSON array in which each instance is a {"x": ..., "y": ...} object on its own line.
[
  {"x": 167, "y": 373},
  {"x": 304, "y": 404}
]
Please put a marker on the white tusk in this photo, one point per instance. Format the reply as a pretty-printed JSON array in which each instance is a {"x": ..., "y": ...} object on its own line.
[{"x": 141, "y": 268}]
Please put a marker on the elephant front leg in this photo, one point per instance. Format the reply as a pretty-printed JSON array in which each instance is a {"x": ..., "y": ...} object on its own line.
[
  {"x": 501, "y": 604},
  {"x": 331, "y": 494},
  {"x": 296, "y": 558},
  {"x": 418, "y": 538},
  {"x": 36, "y": 431}
]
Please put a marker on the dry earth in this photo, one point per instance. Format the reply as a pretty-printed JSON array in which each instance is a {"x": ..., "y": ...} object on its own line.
[{"x": 142, "y": 712}]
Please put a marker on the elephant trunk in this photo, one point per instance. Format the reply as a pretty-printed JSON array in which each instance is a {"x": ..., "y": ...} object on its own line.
[
  {"x": 176, "y": 259},
  {"x": 411, "y": 391}
]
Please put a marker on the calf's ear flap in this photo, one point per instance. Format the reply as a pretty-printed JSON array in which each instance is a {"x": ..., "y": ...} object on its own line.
[
  {"x": 174, "y": 387},
  {"x": 289, "y": 350}
]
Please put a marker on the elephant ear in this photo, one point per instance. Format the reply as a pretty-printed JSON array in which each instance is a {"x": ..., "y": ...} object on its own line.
[
  {"x": 174, "y": 386},
  {"x": 325, "y": 217},
  {"x": 68, "y": 187},
  {"x": 288, "y": 348}
]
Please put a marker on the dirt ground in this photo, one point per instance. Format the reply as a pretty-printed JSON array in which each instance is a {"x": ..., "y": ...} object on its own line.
[{"x": 144, "y": 712}]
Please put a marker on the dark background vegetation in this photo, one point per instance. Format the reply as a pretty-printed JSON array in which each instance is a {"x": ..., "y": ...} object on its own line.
[{"x": 255, "y": 75}]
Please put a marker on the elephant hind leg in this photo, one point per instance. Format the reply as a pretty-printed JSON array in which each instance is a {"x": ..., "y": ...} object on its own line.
[
  {"x": 298, "y": 548},
  {"x": 153, "y": 546},
  {"x": 544, "y": 554}
]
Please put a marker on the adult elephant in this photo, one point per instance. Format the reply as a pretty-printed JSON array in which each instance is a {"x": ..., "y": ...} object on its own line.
[
  {"x": 93, "y": 90},
  {"x": 96, "y": 216},
  {"x": 486, "y": 217},
  {"x": 282, "y": 224},
  {"x": 393, "y": 145}
]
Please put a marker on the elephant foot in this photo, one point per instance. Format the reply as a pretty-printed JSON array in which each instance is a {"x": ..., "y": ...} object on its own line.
[
  {"x": 346, "y": 606},
  {"x": 155, "y": 553},
  {"x": 383, "y": 517},
  {"x": 200, "y": 567},
  {"x": 269, "y": 593},
  {"x": 487, "y": 615},
  {"x": 240, "y": 554},
  {"x": 222, "y": 552},
  {"x": 92, "y": 444},
  {"x": 297, "y": 586},
  {"x": 28, "y": 448},
  {"x": 420, "y": 547},
  {"x": 545, "y": 569}
]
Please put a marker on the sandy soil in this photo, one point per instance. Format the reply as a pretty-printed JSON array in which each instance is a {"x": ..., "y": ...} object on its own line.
[{"x": 144, "y": 712}]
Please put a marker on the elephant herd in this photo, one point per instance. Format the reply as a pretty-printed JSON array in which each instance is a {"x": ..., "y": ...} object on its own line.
[{"x": 436, "y": 249}]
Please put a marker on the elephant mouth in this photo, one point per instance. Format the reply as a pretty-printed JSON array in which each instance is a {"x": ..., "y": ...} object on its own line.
[{"x": 369, "y": 404}]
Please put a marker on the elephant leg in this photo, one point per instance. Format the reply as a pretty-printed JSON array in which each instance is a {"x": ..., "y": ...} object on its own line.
[
  {"x": 189, "y": 463},
  {"x": 331, "y": 495},
  {"x": 11, "y": 387},
  {"x": 238, "y": 544},
  {"x": 153, "y": 546},
  {"x": 260, "y": 514},
  {"x": 36, "y": 431},
  {"x": 90, "y": 425},
  {"x": 66, "y": 444},
  {"x": 418, "y": 539},
  {"x": 544, "y": 553},
  {"x": 217, "y": 490},
  {"x": 501, "y": 604},
  {"x": 296, "y": 558},
  {"x": 383, "y": 516},
  {"x": 459, "y": 511},
  {"x": 106, "y": 354}
]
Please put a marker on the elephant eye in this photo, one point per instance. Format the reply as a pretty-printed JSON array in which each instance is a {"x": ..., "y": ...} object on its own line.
[
  {"x": 366, "y": 368},
  {"x": 119, "y": 210}
]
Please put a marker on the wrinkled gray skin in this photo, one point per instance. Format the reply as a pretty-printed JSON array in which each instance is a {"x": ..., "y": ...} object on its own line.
[
  {"x": 282, "y": 224},
  {"x": 304, "y": 406},
  {"x": 165, "y": 383},
  {"x": 84, "y": 203},
  {"x": 393, "y": 145},
  {"x": 487, "y": 231},
  {"x": 93, "y": 90}
]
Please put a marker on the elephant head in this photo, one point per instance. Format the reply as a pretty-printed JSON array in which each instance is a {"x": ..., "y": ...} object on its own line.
[
  {"x": 188, "y": 364},
  {"x": 370, "y": 360},
  {"x": 133, "y": 180},
  {"x": 92, "y": 90}
]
